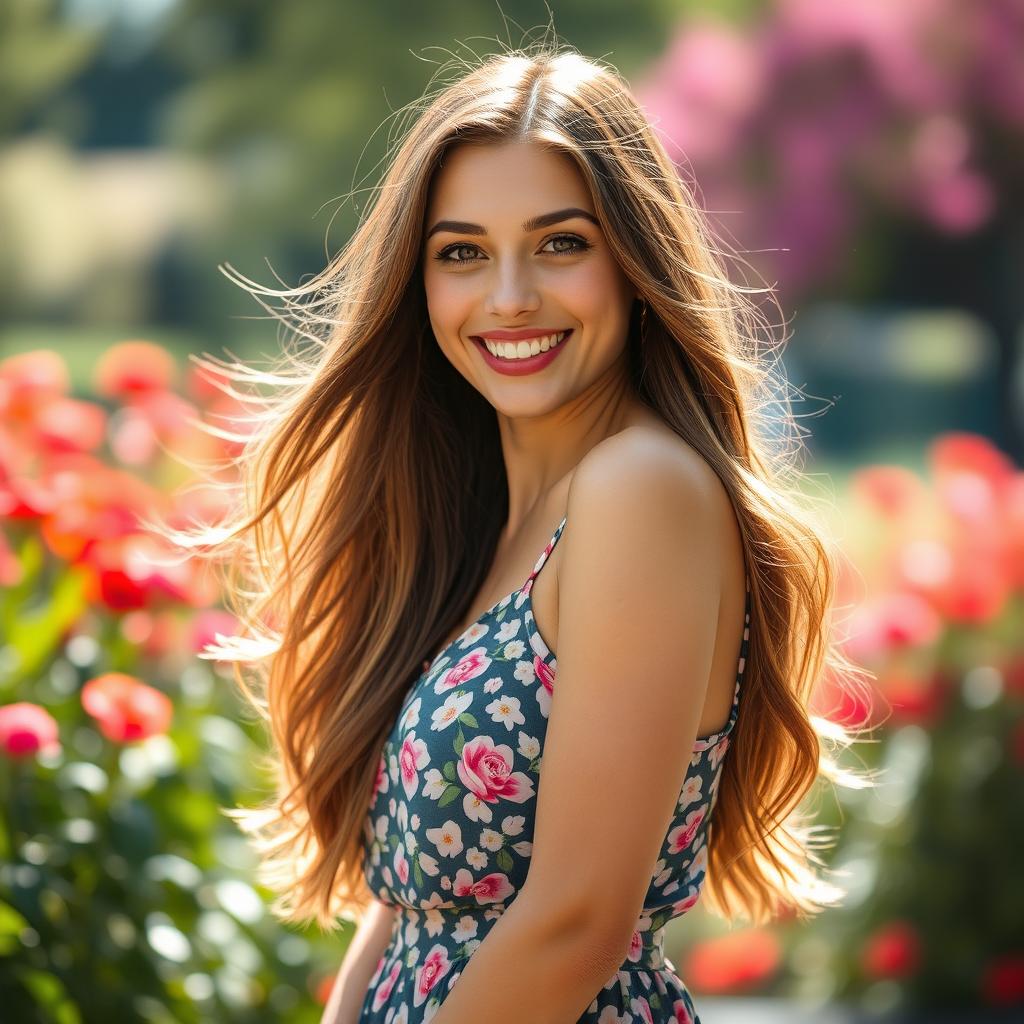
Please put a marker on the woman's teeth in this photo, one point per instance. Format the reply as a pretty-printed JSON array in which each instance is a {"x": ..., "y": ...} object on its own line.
[{"x": 523, "y": 349}]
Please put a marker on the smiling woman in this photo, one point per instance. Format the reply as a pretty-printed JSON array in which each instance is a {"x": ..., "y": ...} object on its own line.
[{"x": 533, "y": 422}]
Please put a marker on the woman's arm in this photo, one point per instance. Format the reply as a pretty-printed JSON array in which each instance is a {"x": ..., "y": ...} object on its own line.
[{"x": 361, "y": 959}]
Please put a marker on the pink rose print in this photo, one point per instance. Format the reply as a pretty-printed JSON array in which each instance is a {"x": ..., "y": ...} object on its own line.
[
  {"x": 636, "y": 947},
  {"x": 486, "y": 771},
  {"x": 682, "y": 835},
  {"x": 686, "y": 902},
  {"x": 434, "y": 967},
  {"x": 381, "y": 785},
  {"x": 383, "y": 990},
  {"x": 492, "y": 888},
  {"x": 401, "y": 865},
  {"x": 469, "y": 666},
  {"x": 544, "y": 674},
  {"x": 412, "y": 755},
  {"x": 682, "y": 1014}
]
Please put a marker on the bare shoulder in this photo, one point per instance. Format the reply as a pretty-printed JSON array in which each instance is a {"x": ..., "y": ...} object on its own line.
[{"x": 643, "y": 464}]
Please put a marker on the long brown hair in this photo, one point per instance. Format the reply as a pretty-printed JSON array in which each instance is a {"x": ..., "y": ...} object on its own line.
[{"x": 372, "y": 493}]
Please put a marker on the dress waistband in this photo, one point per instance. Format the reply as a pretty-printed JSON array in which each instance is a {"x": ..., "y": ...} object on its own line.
[{"x": 459, "y": 930}]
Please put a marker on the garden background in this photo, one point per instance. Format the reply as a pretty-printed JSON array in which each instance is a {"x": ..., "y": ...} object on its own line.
[{"x": 865, "y": 158}]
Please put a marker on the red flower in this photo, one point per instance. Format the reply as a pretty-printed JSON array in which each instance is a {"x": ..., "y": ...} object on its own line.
[
  {"x": 26, "y": 729},
  {"x": 126, "y": 709},
  {"x": 68, "y": 425},
  {"x": 29, "y": 380},
  {"x": 891, "y": 490},
  {"x": 209, "y": 622},
  {"x": 734, "y": 961},
  {"x": 1003, "y": 981},
  {"x": 132, "y": 368},
  {"x": 915, "y": 698},
  {"x": 893, "y": 951}
]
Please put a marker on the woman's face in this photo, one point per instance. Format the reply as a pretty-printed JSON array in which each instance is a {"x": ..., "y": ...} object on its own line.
[{"x": 488, "y": 269}]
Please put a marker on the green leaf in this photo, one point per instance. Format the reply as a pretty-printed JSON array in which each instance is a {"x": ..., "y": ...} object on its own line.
[
  {"x": 448, "y": 771},
  {"x": 460, "y": 741},
  {"x": 35, "y": 634},
  {"x": 469, "y": 720},
  {"x": 504, "y": 859},
  {"x": 451, "y": 793}
]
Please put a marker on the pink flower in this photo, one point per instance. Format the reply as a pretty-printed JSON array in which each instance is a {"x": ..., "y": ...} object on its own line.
[
  {"x": 681, "y": 836},
  {"x": 544, "y": 674},
  {"x": 636, "y": 947},
  {"x": 125, "y": 708},
  {"x": 383, "y": 990},
  {"x": 469, "y": 666},
  {"x": 492, "y": 888},
  {"x": 682, "y": 1014},
  {"x": 434, "y": 967},
  {"x": 27, "y": 729},
  {"x": 412, "y": 756},
  {"x": 486, "y": 771}
]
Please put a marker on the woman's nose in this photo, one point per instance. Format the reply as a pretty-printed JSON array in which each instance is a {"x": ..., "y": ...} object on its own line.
[{"x": 512, "y": 293}]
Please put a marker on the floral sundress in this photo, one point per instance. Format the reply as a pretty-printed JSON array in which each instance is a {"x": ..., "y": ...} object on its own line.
[{"x": 449, "y": 830}]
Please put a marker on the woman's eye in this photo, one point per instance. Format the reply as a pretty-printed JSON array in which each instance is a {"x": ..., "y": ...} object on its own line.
[{"x": 576, "y": 245}]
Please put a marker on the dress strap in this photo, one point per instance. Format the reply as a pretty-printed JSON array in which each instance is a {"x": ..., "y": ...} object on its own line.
[{"x": 544, "y": 554}]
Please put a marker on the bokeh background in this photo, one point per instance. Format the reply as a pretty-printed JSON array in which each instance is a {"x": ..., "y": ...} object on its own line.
[{"x": 865, "y": 159}]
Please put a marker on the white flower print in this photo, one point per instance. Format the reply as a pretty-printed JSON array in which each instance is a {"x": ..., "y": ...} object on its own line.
[
  {"x": 507, "y": 630},
  {"x": 411, "y": 717},
  {"x": 412, "y": 755},
  {"x": 642, "y": 1009},
  {"x": 691, "y": 791},
  {"x": 491, "y": 840},
  {"x": 473, "y": 635},
  {"x": 544, "y": 703},
  {"x": 505, "y": 710},
  {"x": 661, "y": 873},
  {"x": 466, "y": 928},
  {"x": 434, "y": 785},
  {"x": 529, "y": 746},
  {"x": 475, "y": 809},
  {"x": 449, "y": 826},
  {"x": 447, "y": 838},
  {"x": 524, "y": 673},
  {"x": 513, "y": 824},
  {"x": 453, "y": 706},
  {"x": 514, "y": 649}
]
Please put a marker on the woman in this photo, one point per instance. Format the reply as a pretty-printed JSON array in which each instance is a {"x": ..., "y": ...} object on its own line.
[{"x": 528, "y": 426}]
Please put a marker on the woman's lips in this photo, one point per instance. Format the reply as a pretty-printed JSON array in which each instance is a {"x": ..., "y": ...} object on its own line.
[{"x": 519, "y": 367}]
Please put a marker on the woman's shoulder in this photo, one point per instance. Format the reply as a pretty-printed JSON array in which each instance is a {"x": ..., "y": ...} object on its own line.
[{"x": 651, "y": 457}]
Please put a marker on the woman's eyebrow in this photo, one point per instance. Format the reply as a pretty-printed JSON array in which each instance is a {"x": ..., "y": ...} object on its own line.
[{"x": 461, "y": 227}]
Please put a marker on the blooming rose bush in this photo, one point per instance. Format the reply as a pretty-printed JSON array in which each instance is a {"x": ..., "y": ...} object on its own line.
[{"x": 124, "y": 892}]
